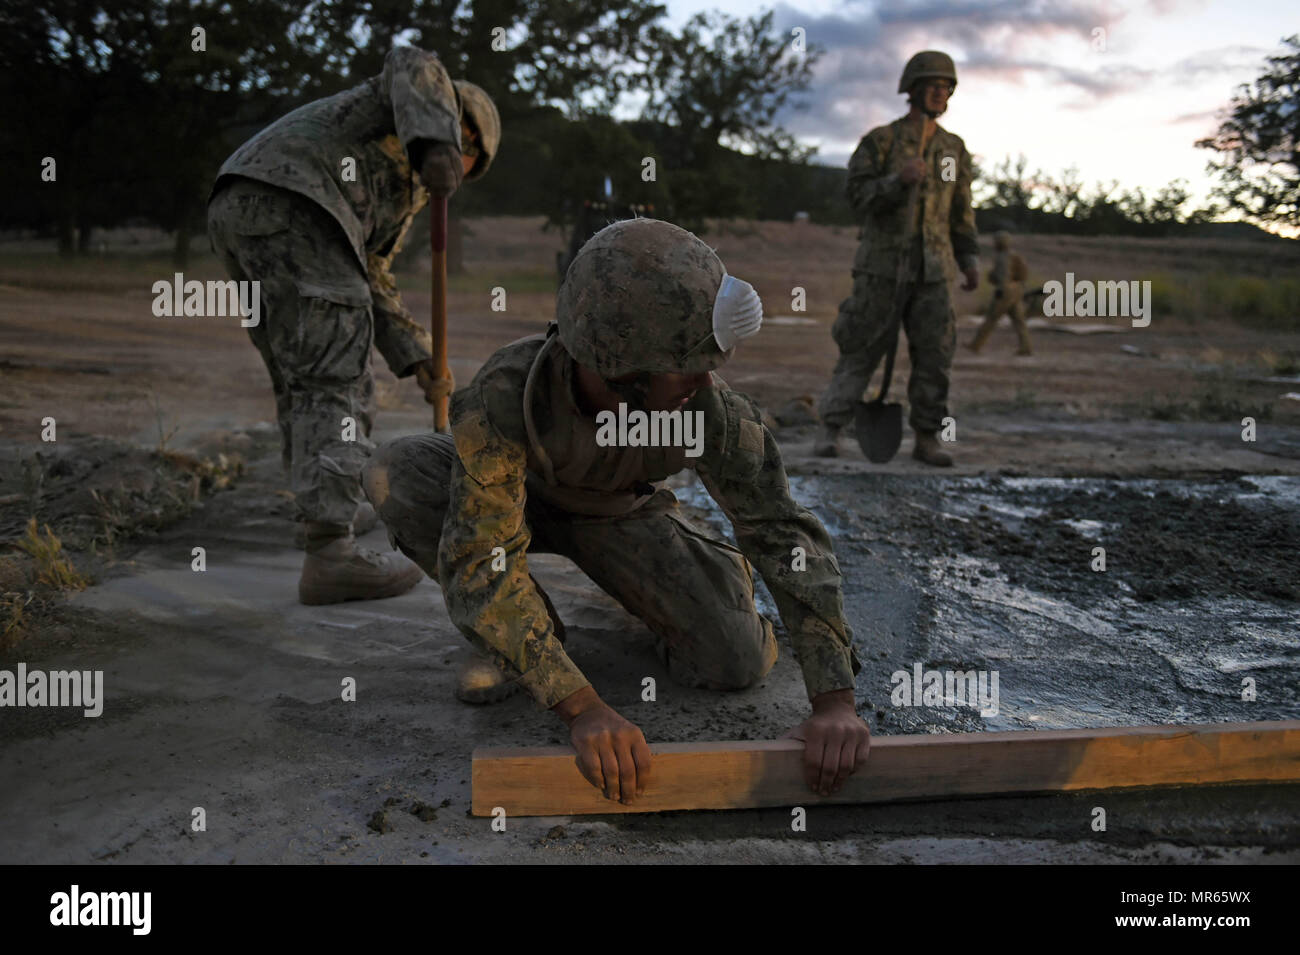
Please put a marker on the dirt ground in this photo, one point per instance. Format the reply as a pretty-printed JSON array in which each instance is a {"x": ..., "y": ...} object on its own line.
[{"x": 223, "y": 692}]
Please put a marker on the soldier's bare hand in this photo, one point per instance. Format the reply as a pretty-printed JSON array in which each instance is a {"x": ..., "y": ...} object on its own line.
[
  {"x": 913, "y": 170},
  {"x": 612, "y": 753},
  {"x": 433, "y": 386},
  {"x": 836, "y": 742},
  {"x": 972, "y": 280}
]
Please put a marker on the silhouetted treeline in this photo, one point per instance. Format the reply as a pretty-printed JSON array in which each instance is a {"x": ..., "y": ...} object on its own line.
[{"x": 119, "y": 112}]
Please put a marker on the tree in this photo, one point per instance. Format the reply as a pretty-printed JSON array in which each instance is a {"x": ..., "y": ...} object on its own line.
[
  {"x": 1008, "y": 185},
  {"x": 529, "y": 55},
  {"x": 524, "y": 53},
  {"x": 1009, "y": 196},
  {"x": 139, "y": 118},
  {"x": 1258, "y": 144},
  {"x": 61, "y": 94},
  {"x": 254, "y": 56},
  {"x": 1062, "y": 195},
  {"x": 721, "y": 82},
  {"x": 135, "y": 105}
]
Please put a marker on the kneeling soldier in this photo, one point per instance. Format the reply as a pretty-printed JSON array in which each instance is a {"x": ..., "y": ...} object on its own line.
[{"x": 646, "y": 311}]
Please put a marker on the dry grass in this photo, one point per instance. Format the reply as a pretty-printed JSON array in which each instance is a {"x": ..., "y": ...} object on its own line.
[
  {"x": 180, "y": 480},
  {"x": 152, "y": 489},
  {"x": 52, "y": 568},
  {"x": 33, "y": 581}
]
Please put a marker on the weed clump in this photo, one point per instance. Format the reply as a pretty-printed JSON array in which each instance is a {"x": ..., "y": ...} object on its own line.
[{"x": 33, "y": 580}]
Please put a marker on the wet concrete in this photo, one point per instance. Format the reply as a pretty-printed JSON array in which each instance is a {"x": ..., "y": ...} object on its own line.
[
  {"x": 1199, "y": 592},
  {"x": 224, "y": 693}
]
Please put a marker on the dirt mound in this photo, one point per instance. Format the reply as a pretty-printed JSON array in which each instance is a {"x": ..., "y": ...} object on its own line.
[{"x": 94, "y": 491}]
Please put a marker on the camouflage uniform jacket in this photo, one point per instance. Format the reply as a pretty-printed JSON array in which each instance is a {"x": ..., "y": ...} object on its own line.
[
  {"x": 1008, "y": 267},
  {"x": 1000, "y": 273},
  {"x": 740, "y": 466},
  {"x": 945, "y": 223},
  {"x": 371, "y": 124}
]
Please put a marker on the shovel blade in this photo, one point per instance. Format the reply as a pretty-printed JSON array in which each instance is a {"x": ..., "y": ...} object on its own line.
[{"x": 879, "y": 429}]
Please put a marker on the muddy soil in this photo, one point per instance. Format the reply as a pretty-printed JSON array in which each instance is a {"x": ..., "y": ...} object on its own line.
[
  {"x": 1163, "y": 539},
  {"x": 224, "y": 693}
]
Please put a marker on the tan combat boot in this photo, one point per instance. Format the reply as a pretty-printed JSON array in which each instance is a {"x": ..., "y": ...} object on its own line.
[
  {"x": 479, "y": 680},
  {"x": 982, "y": 335},
  {"x": 827, "y": 443},
  {"x": 928, "y": 449},
  {"x": 336, "y": 569}
]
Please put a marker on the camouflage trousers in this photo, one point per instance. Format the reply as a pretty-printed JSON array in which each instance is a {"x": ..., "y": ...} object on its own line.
[
  {"x": 694, "y": 591},
  {"x": 1007, "y": 300},
  {"x": 862, "y": 332},
  {"x": 314, "y": 337}
]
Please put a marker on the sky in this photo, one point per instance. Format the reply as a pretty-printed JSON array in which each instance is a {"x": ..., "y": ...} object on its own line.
[{"x": 1031, "y": 78}]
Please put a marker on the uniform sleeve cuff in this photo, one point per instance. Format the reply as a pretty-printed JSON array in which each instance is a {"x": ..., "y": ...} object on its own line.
[
  {"x": 831, "y": 670},
  {"x": 403, "y": 352},
  {"x": 827, "y": 681},
  {"x": 965, "y": 262},
  {"x": 554, "y": 679}
]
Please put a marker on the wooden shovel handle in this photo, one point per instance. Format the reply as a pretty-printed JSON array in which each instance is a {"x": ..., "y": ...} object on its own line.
[{"x": 438, "y": 314}]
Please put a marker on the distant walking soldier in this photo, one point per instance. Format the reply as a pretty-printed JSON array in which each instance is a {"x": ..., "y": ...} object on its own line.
[
  {"x": 315, "y": 207},
  {"x": 910, "y": 182},
  {"x": 645, "y": 313},
  {"x": 1008, "y": 277}
]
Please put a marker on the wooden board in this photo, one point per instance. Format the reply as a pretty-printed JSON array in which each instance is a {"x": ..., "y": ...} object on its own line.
[{"x": 544, "y": 780}]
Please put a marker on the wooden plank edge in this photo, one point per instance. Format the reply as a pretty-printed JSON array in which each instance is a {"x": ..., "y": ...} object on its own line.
[{"x": 1271, "y": 754}]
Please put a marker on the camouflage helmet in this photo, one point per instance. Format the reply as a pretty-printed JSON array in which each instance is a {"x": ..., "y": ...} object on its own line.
[
  {"x": 927, "y": 64},
  {"x": 1001, "y": 239},
  {"x": 640, "y": 296},
  {"x": 477, "y": 107}
]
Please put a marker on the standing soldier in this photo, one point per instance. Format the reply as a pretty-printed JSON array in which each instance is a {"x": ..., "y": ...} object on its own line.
[
  {"x": 910, "y": 182},
  {"x": 1008, "y": 277},
  {"x": 646, "y": 311},
  {"x": 314, "y": 207}
]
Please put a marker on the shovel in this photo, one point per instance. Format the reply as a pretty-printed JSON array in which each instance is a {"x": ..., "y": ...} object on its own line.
[{"x": 878, "y": 424}]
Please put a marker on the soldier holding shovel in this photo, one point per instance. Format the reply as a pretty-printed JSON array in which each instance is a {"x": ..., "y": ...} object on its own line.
[
  {"x": 910, "y": 182},
  {"x": 315, "y": 207}
]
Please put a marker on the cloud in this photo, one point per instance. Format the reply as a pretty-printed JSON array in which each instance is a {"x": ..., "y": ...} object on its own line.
[
  {"x": 865, "y": 45},
  {"x": 1200, "y": 117},
  {"x": 1218, "y": 61},
  {"x": 1109, "y": 79},
  {"x": 1017, "y": 43},
  {"x": 1164, "y": 8},
  {"x": 1022, "y": 14}
]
